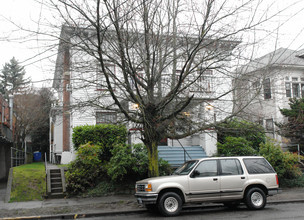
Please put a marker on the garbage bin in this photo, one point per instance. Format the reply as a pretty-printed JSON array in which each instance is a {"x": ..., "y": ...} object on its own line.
[{"x": 37, "y": 156}]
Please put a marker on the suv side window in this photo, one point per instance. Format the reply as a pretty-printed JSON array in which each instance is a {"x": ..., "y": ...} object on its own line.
[
  {"x": 258, "y": 166},
  {"x": 231, "y": 167},
  {"x": 207, "y": 168}
]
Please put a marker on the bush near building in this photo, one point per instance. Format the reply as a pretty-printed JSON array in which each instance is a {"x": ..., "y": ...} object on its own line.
[
  {"x": 252, "y": 132},
  {"x": 284, "y": 163},
  {"x": 104, "y": 158}
]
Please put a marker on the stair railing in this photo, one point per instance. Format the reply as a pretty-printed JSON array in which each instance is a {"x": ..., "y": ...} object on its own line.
[{"x": 185, "y": 152}]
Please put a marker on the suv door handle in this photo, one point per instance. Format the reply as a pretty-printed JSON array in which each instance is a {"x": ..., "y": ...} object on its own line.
[
  {"x": 214, "y": 179},
  {"x": 242, "y": 177}
]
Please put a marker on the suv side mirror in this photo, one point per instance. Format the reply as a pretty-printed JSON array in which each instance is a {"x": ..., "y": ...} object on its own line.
[{"x": 195, "y": 173}]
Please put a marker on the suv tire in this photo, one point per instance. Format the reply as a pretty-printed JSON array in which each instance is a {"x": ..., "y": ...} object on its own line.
[
  {"x": 255, "y": 198},
  {"x": 170, "y": 204}
]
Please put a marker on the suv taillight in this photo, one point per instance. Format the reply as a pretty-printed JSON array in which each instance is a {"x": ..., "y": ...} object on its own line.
[{"x": 277, "y": 179}]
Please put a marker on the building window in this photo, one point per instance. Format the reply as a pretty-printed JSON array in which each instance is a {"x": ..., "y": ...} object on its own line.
[
  {"x": 204, "y": 82},
  {"x": 269, "y": 124},
  {"x": 106, "y": 117},
  {"x": 295, "y": 90},
  {"x": 267, "y": 89},
  {"x": 288, "y": 89}
]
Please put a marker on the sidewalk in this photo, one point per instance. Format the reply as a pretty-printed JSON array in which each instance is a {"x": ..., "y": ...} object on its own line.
[{"x": 74, "y": 207}]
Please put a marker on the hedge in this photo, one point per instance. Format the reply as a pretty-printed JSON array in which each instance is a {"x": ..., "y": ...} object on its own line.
[{"x": 106, "y": 135}]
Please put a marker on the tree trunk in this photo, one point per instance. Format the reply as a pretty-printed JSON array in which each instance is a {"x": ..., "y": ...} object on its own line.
[{"x": 153, "y": 159}]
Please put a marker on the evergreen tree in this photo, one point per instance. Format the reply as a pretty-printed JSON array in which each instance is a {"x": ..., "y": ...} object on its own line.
[
  {"x": 12, "y": 78},
  {"x": 294, "y": 127}
]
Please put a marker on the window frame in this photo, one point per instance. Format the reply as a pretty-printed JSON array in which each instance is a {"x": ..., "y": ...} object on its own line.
[
  {"x": 237, "y": 163},
  {"x": 271, "y": 128},
  {"x": 204, "y": 82},
  {"x": 267, "y": 89},
  {"x": 205, "y": 161},
  {"x": 106, "y": 113},
  {"x": 248, "y": 166}
]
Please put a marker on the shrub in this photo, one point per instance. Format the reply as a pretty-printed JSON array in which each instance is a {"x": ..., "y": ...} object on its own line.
[
  {"x": 129, "y": 164},
  {"x": 235, "y": 146},
  {"x": 125, "y": 167},
  {"x": 104, "y": 135},
  {"x": 86, "y": 170},
  {"x": 240, "y": 128},
  {"x": 284, "y": 163}
]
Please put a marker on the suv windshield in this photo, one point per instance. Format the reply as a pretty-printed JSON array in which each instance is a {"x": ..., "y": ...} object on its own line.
[{"x": 185, "y": 168}]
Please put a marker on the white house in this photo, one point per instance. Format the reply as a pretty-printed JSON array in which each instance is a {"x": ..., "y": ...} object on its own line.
[
  {"x": 79, "y": 82},
  {"x": 265, "y": 86}
]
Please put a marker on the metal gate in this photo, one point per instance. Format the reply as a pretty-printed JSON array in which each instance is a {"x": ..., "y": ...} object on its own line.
[{"x": 17, "y": 157}]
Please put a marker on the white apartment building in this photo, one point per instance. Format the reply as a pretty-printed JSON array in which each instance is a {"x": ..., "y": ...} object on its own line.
[
  {"x": 265, "y": 85},
  {"x": 79, "y": 83}
]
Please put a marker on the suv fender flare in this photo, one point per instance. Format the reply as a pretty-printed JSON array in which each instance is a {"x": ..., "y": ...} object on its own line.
[
  {"x": 172, "y": 189},
  {"x": 257, "y": 185}
]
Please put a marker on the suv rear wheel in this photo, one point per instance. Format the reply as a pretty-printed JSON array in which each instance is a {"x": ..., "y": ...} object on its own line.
[
  {"x": 170, "y": 204},
  {"x": 255, "y": 198}
]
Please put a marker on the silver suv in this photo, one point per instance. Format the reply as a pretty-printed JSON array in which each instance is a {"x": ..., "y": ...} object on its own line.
[{"x": 230, "y": 180}]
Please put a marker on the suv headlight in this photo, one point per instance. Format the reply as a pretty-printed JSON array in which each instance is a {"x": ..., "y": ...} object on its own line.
[{"x": 148, "y": 187}]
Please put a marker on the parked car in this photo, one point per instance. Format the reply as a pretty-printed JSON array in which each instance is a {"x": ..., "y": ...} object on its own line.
[{"x": 230, "y": 180}]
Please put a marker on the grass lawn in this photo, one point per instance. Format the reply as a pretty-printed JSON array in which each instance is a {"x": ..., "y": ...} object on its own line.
[{"x": 28, "y": 182}]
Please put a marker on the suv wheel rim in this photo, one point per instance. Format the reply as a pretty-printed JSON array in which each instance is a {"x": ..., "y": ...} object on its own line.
[
  {"x": 257, "y": 199},
  {"x": 171, "y": 204}
]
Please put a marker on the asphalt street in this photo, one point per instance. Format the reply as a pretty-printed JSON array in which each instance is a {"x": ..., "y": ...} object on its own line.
[{"x": 273, "y": 211}]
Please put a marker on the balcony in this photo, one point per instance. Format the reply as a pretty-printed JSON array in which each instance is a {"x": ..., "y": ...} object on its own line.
[{"x": 6, "y": 133}]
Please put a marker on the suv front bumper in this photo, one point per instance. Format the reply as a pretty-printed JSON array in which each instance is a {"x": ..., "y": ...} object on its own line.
[{"x": 146, "y": 198}]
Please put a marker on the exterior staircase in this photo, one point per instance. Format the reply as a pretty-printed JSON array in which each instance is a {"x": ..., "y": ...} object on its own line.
[
  {"x": 55, "y": 183},
  {"x": 176, "y": 156}
]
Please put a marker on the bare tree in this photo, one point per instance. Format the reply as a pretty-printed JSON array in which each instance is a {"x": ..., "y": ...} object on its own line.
[
  {"x": 31, "y": 110},
  {"x": 168, "y": 59}
]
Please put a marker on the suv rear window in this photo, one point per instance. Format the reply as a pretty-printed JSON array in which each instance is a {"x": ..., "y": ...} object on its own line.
[{"x": 258, "y": 166}]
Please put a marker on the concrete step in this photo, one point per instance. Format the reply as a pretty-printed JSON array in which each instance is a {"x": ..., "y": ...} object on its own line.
[
  {"x": 56, "y": 195},
  {"x": 176, "y": 156},
  {"x": 55, "y": 174},
  {"x": 55, "y": 185},
  {"x": 56, "y": 178},
  {"x": 57, "y": 190},
  {"x": 54, "y": 170}
]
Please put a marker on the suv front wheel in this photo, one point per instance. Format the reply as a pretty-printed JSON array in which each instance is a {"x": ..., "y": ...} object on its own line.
[
  {"x": 170, "y": 204},
  {"x": 255, "y": 198}
]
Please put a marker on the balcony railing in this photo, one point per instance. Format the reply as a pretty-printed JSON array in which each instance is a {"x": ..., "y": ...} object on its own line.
[{"x": 6, "y": 132}]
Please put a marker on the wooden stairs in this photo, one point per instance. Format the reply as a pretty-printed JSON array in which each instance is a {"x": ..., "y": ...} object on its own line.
[{"x": 56, "y": 186}]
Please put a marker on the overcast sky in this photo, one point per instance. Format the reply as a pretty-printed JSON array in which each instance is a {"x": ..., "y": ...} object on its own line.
[{"x": 29, "y": 13}]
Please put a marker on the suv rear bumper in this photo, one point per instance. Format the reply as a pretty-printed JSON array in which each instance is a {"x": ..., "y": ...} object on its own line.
[
  {"x": 272, "y": 192},
  {"x": 147, "y": 198}
]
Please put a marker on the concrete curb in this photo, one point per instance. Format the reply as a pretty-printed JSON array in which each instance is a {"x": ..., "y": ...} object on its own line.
[
  {"x": 134, "y": 211},
  {"x": 286, "y": 201},
  {"x": 76, "y": 216}
]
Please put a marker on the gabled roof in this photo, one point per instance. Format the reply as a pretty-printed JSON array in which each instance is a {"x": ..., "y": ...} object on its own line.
[{"x": 281, "y": 57}]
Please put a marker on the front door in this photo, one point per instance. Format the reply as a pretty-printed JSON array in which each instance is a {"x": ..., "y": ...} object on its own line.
[{"x": 205, "y": 185}]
